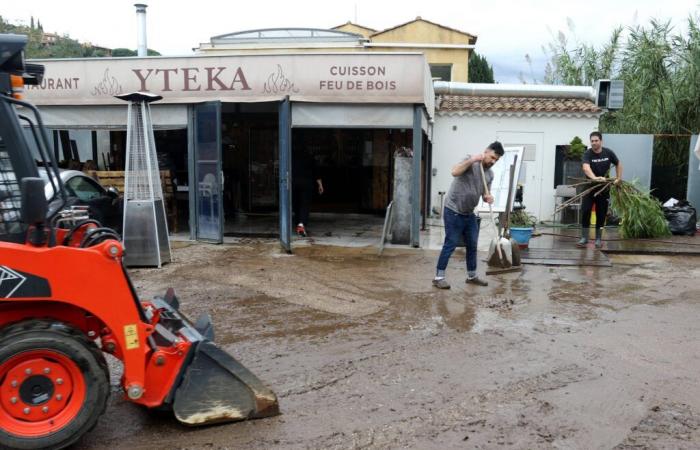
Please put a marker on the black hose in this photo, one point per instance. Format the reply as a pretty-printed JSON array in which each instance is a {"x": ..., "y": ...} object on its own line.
[
  {"x": 101, "y": 237},
  {"x": 92, "y": 235},
  {"x": 76, "y": 227},
  {"x": 656, "y": 241}
]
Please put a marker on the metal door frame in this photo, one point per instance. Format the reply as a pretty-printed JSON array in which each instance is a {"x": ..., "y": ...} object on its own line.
[
  {"x": 194, "y": 180},
  {"x": 416, "y": 175},
  {"x": 285, "y": 163}
]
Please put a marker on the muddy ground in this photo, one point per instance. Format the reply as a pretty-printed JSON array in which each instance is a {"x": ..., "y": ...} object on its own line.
[{"x": 364, "y": 353}]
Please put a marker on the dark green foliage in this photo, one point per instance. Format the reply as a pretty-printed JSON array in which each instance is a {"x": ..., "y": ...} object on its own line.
[
  {"x": 576, "y": 149},
  {"x": 480, "y": 71},
  {"x": 120, "y": 52},
  {"x": 521, "y": 219},
  {"x": 660, "y": 68},
  {"x": 640, "y": 214}
]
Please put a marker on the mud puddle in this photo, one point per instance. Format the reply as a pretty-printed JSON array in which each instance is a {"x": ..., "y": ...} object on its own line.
[{"x": 364, "y": 353}]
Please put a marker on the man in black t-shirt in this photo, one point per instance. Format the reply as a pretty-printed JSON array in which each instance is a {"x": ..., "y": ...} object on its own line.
[
  {"x": 304, "y": 179},
  {"x": 596, "y": 165}
]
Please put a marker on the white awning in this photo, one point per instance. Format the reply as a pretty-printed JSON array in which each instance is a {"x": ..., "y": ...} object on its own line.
[
  {"x": 108, "y": 117},
  {"x": 356, "y": 77},
  {"x": 324, "y": 115}
]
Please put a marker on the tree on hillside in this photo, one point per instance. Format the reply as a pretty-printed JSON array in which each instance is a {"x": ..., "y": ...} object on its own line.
[
  {"x": 122, "y": 52},
  {"x": 479, "y": 69},
  {"x": 64, "y": 47}
]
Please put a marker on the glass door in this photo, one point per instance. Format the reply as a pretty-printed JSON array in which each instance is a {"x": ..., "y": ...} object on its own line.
[{"x": 208, "y": 172}]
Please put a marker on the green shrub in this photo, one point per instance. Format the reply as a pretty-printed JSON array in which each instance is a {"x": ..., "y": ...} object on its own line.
[{"x": 576, "y": 149}]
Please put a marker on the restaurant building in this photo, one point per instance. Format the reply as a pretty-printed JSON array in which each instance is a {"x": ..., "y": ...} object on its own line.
[{"x": 229, "y": 125}]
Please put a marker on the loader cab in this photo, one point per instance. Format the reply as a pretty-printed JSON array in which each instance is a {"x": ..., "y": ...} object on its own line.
[{"x": 17, "y": 160}]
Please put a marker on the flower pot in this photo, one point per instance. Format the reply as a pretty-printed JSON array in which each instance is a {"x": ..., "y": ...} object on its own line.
[{"x": 521, "y": 235}]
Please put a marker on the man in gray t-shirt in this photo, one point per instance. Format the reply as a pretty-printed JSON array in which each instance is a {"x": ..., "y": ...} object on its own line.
[{"x": 460, "y": 221}]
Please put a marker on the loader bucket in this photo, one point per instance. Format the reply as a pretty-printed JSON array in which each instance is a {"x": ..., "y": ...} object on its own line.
[
  {"x": 217, "y": 388},
  {"x": 214, "y": 387}
]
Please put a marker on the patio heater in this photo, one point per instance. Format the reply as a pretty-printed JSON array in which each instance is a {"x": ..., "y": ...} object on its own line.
[{"x": 145, "y": 230}]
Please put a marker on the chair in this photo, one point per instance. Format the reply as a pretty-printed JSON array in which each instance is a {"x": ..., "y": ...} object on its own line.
[{"x": 563, "y": 193}]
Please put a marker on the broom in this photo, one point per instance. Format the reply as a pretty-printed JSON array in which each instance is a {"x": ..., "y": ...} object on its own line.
[{"x": 501, "y": 257}]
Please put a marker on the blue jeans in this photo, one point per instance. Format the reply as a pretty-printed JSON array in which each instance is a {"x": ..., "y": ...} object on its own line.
[{"x": 459, "y": 226}]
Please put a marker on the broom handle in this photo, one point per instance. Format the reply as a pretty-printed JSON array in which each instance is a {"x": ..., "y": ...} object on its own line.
[{"x": 486, "y": 191}]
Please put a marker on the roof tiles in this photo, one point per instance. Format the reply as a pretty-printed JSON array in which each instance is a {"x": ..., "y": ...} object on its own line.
[{"x": 468, "y": 103}]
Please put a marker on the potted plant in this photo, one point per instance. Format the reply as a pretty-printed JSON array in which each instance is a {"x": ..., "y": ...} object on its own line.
[
  {"x": 571, "y": 164},
  {"x": 521, "y": 226},
  {"x": 576, "y": 149}
]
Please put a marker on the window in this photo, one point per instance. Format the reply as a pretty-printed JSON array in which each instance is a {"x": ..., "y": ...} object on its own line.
[
  {"x": 10, "y": 199},
  {"x": 442, "y": 72},
  {"x": 84, "y": 188}
]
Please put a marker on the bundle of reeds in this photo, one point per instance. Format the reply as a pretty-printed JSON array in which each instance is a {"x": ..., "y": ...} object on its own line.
[{"x": 640, "y": 214}]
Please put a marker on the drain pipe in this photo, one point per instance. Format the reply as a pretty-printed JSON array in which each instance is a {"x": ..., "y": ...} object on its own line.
[
  {"x": 142, "y": 47},
  {"x": 513, "y": 90}
]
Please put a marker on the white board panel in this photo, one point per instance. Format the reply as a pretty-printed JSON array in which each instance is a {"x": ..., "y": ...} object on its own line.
[{"x": 501, "y": 177}]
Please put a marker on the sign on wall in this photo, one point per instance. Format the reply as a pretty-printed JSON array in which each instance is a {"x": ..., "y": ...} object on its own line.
[
  {"x": 501, "y": 179},
  {"x": 346, "y": 78}
]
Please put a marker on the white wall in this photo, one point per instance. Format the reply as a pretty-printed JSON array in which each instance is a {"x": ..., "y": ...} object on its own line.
[{"x": 456, "y": 136}]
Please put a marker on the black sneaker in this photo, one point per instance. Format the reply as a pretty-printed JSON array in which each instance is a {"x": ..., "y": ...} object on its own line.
[{"x": 478, "y": 281}]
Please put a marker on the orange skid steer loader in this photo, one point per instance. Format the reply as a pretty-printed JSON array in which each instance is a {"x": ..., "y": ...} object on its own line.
[{"x": 66, "y": 299}]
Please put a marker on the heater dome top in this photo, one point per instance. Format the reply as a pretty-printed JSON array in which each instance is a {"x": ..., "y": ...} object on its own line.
[{"x": 147, "y": 97}]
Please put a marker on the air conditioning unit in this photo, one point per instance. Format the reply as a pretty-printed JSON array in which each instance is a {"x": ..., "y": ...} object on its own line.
[{"x": 609, "y": 93}]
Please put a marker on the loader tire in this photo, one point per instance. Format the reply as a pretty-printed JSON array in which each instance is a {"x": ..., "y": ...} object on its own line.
[{"x": 54, "y": 385}]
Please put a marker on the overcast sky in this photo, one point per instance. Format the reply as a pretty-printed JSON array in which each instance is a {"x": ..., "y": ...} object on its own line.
[{"x": 507, "y": 30}]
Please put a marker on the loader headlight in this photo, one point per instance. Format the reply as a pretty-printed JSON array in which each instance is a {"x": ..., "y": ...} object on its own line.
[{"x": 17, "y": 83}]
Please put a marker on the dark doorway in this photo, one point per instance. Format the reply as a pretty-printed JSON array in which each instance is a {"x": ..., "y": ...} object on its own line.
[
  {"x": 250, "y": 159},
  {"x": 250, "y": 164},
  {"x": 669, "y": 170},
  {"x": 355, "y": 166}
]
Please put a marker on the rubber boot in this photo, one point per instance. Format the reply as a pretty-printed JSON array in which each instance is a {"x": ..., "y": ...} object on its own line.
[
  {"x": 584, "y": 238},
  {"x": 598, "y": 237}
]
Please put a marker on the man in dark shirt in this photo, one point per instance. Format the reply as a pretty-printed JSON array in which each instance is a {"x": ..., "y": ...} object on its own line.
[
  {"x": 596, "y": 165},
  {"x": 304, "y": 179}
]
